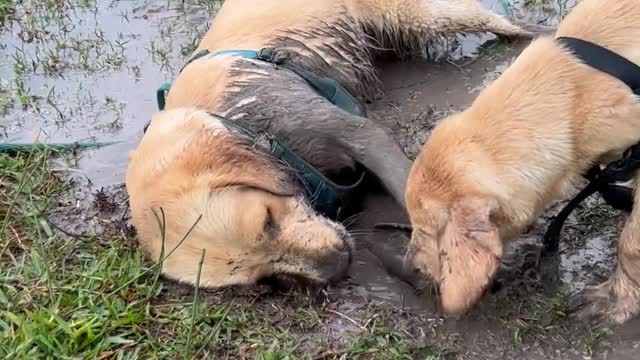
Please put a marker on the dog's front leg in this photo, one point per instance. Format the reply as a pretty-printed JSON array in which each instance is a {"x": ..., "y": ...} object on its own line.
[
  {"x": 374, "y": 147},
  {"x": 618, "y": 299}
]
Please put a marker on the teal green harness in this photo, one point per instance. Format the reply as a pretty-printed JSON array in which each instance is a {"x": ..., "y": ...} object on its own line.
[
  {"x": 327, "y": 197},
  {"x": 326, "y": 87}
]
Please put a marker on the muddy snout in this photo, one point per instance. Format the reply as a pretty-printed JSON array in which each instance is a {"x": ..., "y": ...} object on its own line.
[
  {"x": 419, "y": 262},
  {"x": 335, "y": 263},
  {"x": 407, "y": 262},
  {"x": 322, "y": 247},
  {"x": 410, "y": 273}
]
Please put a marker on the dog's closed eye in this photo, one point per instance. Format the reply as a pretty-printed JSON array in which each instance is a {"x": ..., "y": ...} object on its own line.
[
  {"x": 268, "y": 221},
  {"x": 270, "y": 226}
]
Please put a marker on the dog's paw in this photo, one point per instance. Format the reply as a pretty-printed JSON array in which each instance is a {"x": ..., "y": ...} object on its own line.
[{"x": 608, "y": 304}]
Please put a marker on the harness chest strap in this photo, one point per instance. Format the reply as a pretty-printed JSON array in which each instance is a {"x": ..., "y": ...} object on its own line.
[
  {"x": 326, "y": 196},
  {"x": 622, "y": 170}
]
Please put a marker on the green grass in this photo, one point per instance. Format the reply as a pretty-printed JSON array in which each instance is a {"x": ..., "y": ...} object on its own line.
[
  {"x": 6, "y": 8},
  {"x": 6, "y": 100},
  {"x": 382, "y": 342},
  {"x": 95, "y": 297}
]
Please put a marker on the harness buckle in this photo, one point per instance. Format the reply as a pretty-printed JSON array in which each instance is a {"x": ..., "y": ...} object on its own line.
[
  {"x": 273, "y": 56},
  {"x": 624, "y": 168}
]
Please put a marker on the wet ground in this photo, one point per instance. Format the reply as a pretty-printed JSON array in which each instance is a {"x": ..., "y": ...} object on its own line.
[{"x": 89, "y": 72}]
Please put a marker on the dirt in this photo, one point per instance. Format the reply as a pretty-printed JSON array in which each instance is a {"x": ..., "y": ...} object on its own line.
[{"x": 104, "y": 89}]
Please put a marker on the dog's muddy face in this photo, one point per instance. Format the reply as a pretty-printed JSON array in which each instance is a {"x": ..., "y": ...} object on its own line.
[
  {"x": 277, "y": 235},
  {"x": 234, "y": 202},
  {"x": 460, "y": 250},
  {"x": 455, "y": 241}
]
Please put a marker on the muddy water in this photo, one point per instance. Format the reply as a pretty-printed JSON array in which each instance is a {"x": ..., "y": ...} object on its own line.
[{"x": 90, "y": 72}]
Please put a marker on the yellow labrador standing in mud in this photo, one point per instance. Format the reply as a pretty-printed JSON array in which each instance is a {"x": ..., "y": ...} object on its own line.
[
  {"x": 488, "y": 172},
  {"x": 271, "y": 95}
]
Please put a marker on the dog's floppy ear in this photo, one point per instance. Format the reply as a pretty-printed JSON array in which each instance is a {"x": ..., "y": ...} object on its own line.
[
  {"x": 266, "y": 180},
  {"x": 470, "y": 253},
  {"x": 237, "y": 163}
]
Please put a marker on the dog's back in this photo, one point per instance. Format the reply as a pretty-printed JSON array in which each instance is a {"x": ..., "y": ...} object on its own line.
[
  {"x": 249, "y": 24},
  {"x": 612, "y": 24},
  {"x": 609, "y": 105}
]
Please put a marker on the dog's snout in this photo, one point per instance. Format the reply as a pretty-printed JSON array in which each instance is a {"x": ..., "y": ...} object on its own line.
[
  {"x": 345, "y": 251},
  {"x": 346, "y": 245},
  {"x": 335, "y": 264},
  {"x": 407, "y": 261}
]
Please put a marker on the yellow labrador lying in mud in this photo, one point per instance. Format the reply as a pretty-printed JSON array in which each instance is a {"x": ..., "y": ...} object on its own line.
[
  {"x": 564, "y": 105},
  {"x": 254, "y": 113}
]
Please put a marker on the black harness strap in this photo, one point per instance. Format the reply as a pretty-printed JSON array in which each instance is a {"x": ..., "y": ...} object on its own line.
[
  {"x": 622, "y": 170},
  {"x": 618, "y": 197},
  {"x": 605, "y": 60}
]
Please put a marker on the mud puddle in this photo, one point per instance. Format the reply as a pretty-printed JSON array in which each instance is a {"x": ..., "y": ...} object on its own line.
[{"x": 90, "y": 72}]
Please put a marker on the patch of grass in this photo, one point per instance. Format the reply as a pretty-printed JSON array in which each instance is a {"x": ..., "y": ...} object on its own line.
[
  {"x": 6, "y": 101},
  {"x": 6, "y": 8},
  {"x": 530, "y": 320},
  {"x": 52, "y": 41},
  {"x": 536, "y": 3},
  {"x": 160, "y": 54},
  {"x": 382, "y": 342},
  {"x": 596, "y": 338},
  {"x": 538, "y": 320}
]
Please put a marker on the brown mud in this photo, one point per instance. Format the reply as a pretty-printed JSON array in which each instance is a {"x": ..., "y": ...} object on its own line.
[{"x": 98, "y": 80}]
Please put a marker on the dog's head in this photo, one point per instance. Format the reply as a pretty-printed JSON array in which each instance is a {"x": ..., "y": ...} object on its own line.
[
  {"x": 455, "y": 240},
  {"x": 190, "y": 177}
]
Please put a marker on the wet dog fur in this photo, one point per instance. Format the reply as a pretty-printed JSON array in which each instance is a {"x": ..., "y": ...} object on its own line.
[
  {"x": 486, "y": 173},
  {"x": 196, "y": 187}
]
